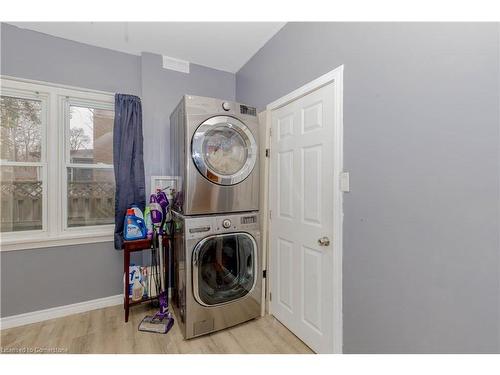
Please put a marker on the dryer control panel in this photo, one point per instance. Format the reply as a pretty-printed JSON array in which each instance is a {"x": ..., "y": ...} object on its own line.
[{"x": 246, "y": 110}]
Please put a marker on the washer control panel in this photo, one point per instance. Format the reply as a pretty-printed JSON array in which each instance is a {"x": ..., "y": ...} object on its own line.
[
  {"x": 249, "y": 219},
  {"x": 203, "y": 226}
]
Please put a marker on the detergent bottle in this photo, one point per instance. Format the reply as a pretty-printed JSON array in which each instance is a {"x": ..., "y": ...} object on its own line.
[
  {"x": 137, "y": 211},
  {"x": 134, "y": 227}
]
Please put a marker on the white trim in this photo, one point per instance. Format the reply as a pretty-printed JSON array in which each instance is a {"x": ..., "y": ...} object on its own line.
[
  {"x": 338, "y": 78},
  {"x": 89, "y": 166},
  {"x": 265, "y": 143},
  {"x": 41, "y": 240},
  {"x": 335, "y": 76},
  {"x": 59, "y": 312},
  {"x": 7, "y": 163},
  {"x": 54, "y": 85}
]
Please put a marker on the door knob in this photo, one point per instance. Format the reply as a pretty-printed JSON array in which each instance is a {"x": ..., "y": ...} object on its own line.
[{"x": 324, "y": 241}]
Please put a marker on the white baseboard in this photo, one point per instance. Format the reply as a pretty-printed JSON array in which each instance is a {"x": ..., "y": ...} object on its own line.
[{"x": 60, "y": 311}]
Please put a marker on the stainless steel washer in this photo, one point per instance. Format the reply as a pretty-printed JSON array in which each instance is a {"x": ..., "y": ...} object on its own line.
[
  {"x": 214, "y": 151},
  {"x": 217, "y": 271}
]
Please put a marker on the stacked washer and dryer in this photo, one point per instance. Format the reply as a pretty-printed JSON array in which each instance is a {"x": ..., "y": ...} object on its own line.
[{"x": 217, "y": 256}]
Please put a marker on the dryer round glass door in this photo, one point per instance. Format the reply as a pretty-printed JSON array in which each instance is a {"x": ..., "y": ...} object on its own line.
[
  {"x": 224, "y": 150},
  {"x": 224, "y": 268}
]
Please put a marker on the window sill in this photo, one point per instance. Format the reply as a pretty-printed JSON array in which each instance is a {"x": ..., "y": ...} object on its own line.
[{"x": 42, "y": 240}]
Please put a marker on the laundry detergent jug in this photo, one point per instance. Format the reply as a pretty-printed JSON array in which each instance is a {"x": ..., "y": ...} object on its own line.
[{"x": 134, "y": 227}]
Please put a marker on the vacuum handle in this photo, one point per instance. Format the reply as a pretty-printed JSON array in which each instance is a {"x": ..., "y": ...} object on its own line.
[{"x": 162, "y": 265}]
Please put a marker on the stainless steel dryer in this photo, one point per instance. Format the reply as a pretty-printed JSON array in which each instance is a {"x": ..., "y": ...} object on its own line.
[
  {"x": 217, "y": 271},
  {"x": 215, "y": 153}
]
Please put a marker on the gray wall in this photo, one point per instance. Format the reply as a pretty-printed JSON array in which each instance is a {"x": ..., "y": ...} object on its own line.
[
  {"x": 161, "y": 92},
  {"x": 42, "y": 278},
  {"x": 421, "y": 226},
  {"x": 32, "y": 55}
]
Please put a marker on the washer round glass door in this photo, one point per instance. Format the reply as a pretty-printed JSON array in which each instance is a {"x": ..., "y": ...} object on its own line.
[
  {"x": 224, "y": 268},
  {"x": 224, "y": 150}
]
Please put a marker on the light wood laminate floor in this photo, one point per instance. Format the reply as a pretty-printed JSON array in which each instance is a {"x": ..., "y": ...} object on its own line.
[{"x": 104, "y": 331}]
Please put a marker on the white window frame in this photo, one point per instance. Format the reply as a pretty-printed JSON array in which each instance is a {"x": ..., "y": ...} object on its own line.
[
  {"x": 55, "y": 127},
  {"x": 66, "y": 103},
  {"x": 43, "y": 98}
]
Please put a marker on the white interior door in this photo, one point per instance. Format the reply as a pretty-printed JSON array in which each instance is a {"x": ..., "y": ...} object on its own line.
[{"x": 303, "y": 185}]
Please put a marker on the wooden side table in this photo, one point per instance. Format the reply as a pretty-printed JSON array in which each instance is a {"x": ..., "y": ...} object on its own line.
[{"x": 131, "y": 247}]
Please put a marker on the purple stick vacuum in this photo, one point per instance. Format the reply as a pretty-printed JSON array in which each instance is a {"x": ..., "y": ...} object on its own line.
[{"x": 163, "y": 320}]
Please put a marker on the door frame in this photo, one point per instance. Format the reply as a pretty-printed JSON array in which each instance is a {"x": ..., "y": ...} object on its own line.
[{"x": 336, "y": 77}]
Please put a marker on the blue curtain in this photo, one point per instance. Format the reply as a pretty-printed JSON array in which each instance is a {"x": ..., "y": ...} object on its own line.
[{"x": 128, "y": 159}]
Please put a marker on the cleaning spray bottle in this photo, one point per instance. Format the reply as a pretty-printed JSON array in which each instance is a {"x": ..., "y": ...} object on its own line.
[
  {"x": 147, "y": 221},
  {"x": 137, "y": 287}
]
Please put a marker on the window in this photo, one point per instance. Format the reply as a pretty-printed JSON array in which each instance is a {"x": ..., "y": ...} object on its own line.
[
  {"x": 56, "y": 176},
  {"x": 22, "y": 169},
  {"x": 90, "y": 187}
]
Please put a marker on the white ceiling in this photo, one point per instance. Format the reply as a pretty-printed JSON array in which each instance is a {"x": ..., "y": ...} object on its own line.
[{"x": 220, "y": 45}]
